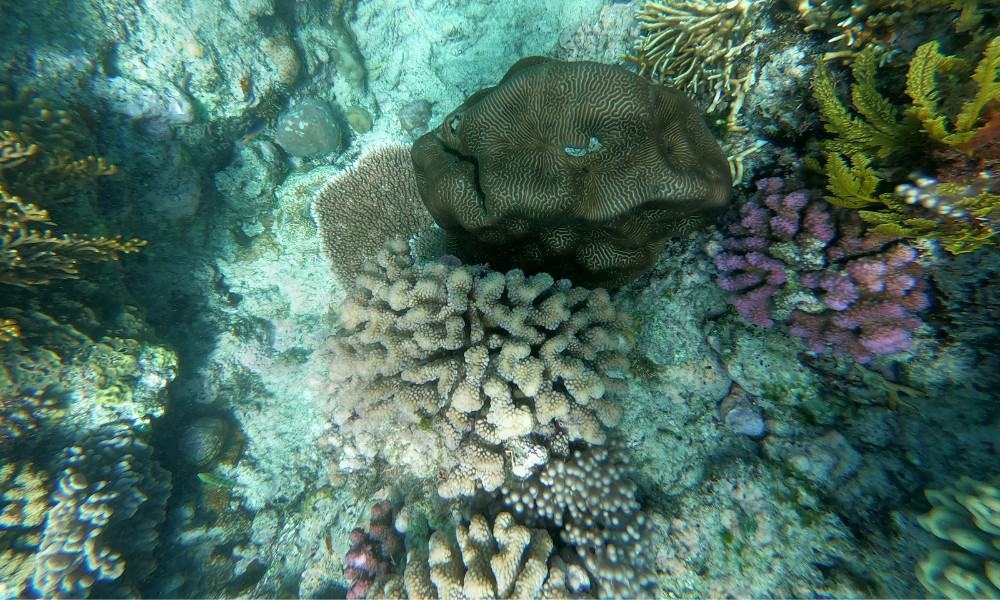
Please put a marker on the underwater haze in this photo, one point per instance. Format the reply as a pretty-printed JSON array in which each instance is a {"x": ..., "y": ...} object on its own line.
[{"x": 478, "y": 299}]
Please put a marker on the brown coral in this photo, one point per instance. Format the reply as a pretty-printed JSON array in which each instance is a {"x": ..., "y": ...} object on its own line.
[
  {"x": 581, "y": 170},
  {"x": 361, "y": 208}
]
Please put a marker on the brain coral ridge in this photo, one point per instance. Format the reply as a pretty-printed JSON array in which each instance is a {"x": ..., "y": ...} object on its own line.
[
  {"x": 473, "y": 375},
  {"x": 578, "y": 169}
]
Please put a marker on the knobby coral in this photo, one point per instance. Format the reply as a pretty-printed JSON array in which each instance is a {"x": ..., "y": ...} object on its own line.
[
  {"x": 472, "y": 373},
  {"x": 374, "y": 552},
  {"x": 793, "y": 258},
  {"x": 589, "y": 192}
]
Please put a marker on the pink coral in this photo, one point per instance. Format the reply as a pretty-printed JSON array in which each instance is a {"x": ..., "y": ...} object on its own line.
[
  {"x": 372, "y": 553},
  {"x": 868, "y": 287}
]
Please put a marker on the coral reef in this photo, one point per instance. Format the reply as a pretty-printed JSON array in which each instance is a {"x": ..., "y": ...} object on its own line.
[
  {"x": 590, "y": 193},
  {"x": 472, "y": 373},
  {"x": 360, "y": 209},
  {"x": 589, "y": 499},
  {"x": 373, "y": 553},
  {"x": 704, "y": 48},
  {"x": 101, "y": 533},
  {"x": 791, "y": 257},
  {"x": 53, "y": 146},
  {"x": 966, "y": 518}
]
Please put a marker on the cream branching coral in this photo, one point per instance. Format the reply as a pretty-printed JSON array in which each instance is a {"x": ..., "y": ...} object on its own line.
[
  {"x": 473, "y": 375},
  {"x": 703, "y": 47},
  {"x": 511, "y": 561},
  {"x": 589, "y": 498}
]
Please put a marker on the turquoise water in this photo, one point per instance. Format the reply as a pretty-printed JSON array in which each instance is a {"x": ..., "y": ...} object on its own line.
[{"x": 464, "y": 299}]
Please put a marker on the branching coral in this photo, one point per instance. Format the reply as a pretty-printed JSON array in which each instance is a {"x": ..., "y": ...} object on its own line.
[
  {"x": 966, "y": 519},
  {"x": 793, "y": 258},
  {"x": 471, "y": 373},
  {"x": 961, "y": 214},
  {"x": 589, "y": 499},
  {"x": 100, "y": 535},
  {"x": 702, "y": 47},
  {"x": 374, "y": 552},
  {"x": 23, "y": 504}
]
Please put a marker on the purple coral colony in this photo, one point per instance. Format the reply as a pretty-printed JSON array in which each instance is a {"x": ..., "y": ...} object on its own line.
[{"x": 791, "y": 258}]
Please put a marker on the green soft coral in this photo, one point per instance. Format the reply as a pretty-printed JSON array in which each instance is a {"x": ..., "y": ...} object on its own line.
[{"x": 872, "y": 138}]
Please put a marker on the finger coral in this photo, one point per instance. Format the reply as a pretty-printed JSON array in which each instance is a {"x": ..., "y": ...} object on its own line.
[
  {"x": 471, "y": 373},
  {"x": 966, "y": 520},
  {"x": 100, "y": 535},
  {"x": 507, "y": 561},
  {"x": 793, "y": 258}
]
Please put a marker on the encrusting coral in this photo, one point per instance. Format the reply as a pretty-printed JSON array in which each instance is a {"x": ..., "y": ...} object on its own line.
[
  {"x": 959, "y": 209},
  {"x": 371, "y": 202},
  {"x": 966, "y": 519},
  {"x": 470, "y": 374},
  {"x": 590, "y": 192}
]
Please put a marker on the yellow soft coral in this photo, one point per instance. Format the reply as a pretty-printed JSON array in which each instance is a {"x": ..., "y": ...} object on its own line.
[{"x": 872, "y": 139}]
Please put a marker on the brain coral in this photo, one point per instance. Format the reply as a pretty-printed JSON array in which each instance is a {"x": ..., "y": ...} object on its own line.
[
  {"x": 577, "y": 169},
  {"x": 470, "y": 373}
]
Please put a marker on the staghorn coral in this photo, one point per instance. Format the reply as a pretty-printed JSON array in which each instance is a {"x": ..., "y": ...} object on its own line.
[
  {"x": 792, "y": 258},
  {"x": 966, "y": 520},
  {"x": 472, "y": 373},
  {"x": 590, "y": 193},
  {"x": 373, "y": 553},
  {"x": 100, "y": 535},
  {"x": 878, "y": 141},
  {"x": 361, "y": 208},
  {"x": 23, "y": 503},
  {"x": 705, "y": 48},
  {"x": 509, "y": 561},
  {"x": 589, "y": 499}
]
